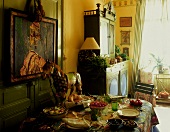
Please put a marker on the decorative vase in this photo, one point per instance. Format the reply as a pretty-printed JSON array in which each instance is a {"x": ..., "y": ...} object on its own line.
[{"x": 160, "y": 69}]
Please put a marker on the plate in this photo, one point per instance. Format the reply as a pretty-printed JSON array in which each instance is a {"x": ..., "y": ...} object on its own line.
[
  {"x": 116, "y": 97},
  {"x": 128, "y": 113},
  {"x": 77, "y": 123}
]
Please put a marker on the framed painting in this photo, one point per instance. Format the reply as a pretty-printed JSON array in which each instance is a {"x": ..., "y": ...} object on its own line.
[
  {"x": 125, "y": 21},
  {"x": 125, "y": 37},
  {"x": 31, "y": 44},
  {"x": 126, "y": 51}
]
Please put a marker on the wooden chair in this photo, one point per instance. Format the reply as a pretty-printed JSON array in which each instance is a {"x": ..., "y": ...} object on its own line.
[
  {"x": 145, "y": 92},
  {"x": 144, "y": 88}
]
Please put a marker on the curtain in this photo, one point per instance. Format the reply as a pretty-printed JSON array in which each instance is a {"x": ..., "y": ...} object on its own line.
[
  {"x": 139, "y": 22},
  {"x": 156, "y": 38}
]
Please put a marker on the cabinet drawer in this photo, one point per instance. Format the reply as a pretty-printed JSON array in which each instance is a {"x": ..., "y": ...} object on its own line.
[
  {"x": 114, "y": 68},
  {"x": 124, "y": 64}
]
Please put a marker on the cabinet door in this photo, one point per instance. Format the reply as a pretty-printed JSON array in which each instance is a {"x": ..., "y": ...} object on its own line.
[
  {"x": 112, "y": 83},
  {"x": 124, "y": 82},
  {"x": 104, "y": 33},
  {"x": 93, "y": 83},
  {"x": 111, "y": 39}
]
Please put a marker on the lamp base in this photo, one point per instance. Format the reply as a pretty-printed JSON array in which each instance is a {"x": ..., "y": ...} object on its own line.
[{"x": 85, "y": 54}]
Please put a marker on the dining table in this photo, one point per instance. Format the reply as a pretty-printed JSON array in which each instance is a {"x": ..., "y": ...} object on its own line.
[{"x": 144, "y": 120}]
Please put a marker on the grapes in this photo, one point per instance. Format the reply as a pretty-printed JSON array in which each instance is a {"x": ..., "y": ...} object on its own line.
[
  {"x": 98, "y": 104},
  {"x": 136, "y": 102}
]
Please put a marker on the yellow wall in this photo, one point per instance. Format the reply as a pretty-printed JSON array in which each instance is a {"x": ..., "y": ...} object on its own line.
[
  {"x": 1, "y": 25},
  {"x": 128, "y": 10},
  {"x": 73, "y": 23},
  {"x": 73, "y": 37},
  {"x": 74, "y": 27}
]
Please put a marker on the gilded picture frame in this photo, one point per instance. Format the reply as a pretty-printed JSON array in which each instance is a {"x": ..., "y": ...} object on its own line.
[
  {"x": 31, "y": 44},
  {"x": 125, "y": 21},
  {"x": 125, "y": 37}
]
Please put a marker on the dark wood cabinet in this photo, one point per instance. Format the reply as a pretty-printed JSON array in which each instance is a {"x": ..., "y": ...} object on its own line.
[
  {"x": 112, "y": 80},
  {"x": 102, "y": 29},
  {"x": 93, "y": 82}
]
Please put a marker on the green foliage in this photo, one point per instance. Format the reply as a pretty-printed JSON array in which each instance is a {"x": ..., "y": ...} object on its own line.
[
  {"x": 158, "y": 61},
  {"x": 124, "y": 56},
  {"x": 117, "y": 50},
  {"x": 96, "y": 63},
  {"x": 119, "y": 53}
]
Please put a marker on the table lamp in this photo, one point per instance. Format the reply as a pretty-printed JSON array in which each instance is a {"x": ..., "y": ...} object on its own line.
[
  {"x": 90, "y": 44},
  {"x": 87, "y": 49}
]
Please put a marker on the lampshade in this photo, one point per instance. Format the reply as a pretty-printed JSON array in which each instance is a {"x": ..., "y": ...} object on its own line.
[{"x": 90, "y": 44}]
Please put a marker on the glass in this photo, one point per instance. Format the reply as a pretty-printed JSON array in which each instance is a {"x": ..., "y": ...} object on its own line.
[{"x": 114, "y": 105}]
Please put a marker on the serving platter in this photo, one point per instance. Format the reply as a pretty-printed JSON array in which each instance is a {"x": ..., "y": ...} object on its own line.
[
  {"x": 76, "y": 123},
  {"x": 128, "y": 113},
  {"x": 55, "y": 112}
]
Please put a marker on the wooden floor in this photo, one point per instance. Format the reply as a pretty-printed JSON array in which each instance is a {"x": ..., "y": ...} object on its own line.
[{"x": 163, "y": 114}]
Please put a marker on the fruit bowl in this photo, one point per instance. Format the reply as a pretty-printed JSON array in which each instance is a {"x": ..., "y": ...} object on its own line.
[
  {"x": 163, "y": 94},
  {"x": 98, "y": 105},
  {"x": 96, "y": 109},
  {"x": 136, "y": 102}
]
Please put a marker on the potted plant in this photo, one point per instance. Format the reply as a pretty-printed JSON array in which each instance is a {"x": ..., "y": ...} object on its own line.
[
  {"x": 159, "y": 63},
  {"x": 119, "y": 54}
]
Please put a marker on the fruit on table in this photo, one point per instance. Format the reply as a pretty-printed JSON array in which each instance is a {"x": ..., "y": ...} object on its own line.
[
  {"x": 98, "y": 104},
  {"x": 163, "y": 94},
  {"x": 136, "y": 102}
]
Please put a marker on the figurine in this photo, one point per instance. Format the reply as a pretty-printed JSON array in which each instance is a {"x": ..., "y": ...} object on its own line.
[
  {"x": 58, "y": 80},
  {"x": 75, "y": 87}
]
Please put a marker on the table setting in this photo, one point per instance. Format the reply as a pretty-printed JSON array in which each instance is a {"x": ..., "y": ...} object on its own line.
[{"x": 101, "y": 114}]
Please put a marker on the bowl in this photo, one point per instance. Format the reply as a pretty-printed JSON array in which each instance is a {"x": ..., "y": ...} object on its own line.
[
  {"x": 129, "y": 124},
  {"x": 55, "y": 112},
  {"x": 115, "y": 124}
]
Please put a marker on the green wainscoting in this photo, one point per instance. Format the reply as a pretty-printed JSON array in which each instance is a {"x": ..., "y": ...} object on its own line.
[{"x": 21, "y": 101}]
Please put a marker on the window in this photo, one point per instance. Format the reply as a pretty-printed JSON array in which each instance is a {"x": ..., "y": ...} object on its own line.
[{"x": 156, "y": 30}]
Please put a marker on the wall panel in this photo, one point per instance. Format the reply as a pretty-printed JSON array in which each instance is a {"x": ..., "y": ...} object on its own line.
[{"x": 23, "y": 99}]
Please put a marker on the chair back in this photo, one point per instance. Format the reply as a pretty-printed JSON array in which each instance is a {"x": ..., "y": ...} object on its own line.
[{"x": 144, "y": 88}]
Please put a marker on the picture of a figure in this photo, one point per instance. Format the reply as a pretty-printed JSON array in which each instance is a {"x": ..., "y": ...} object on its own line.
[
  {"x": 126, "y": 51},
  {"x": 31, "y": 44},
  {"x": 125, "y": 37}
]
